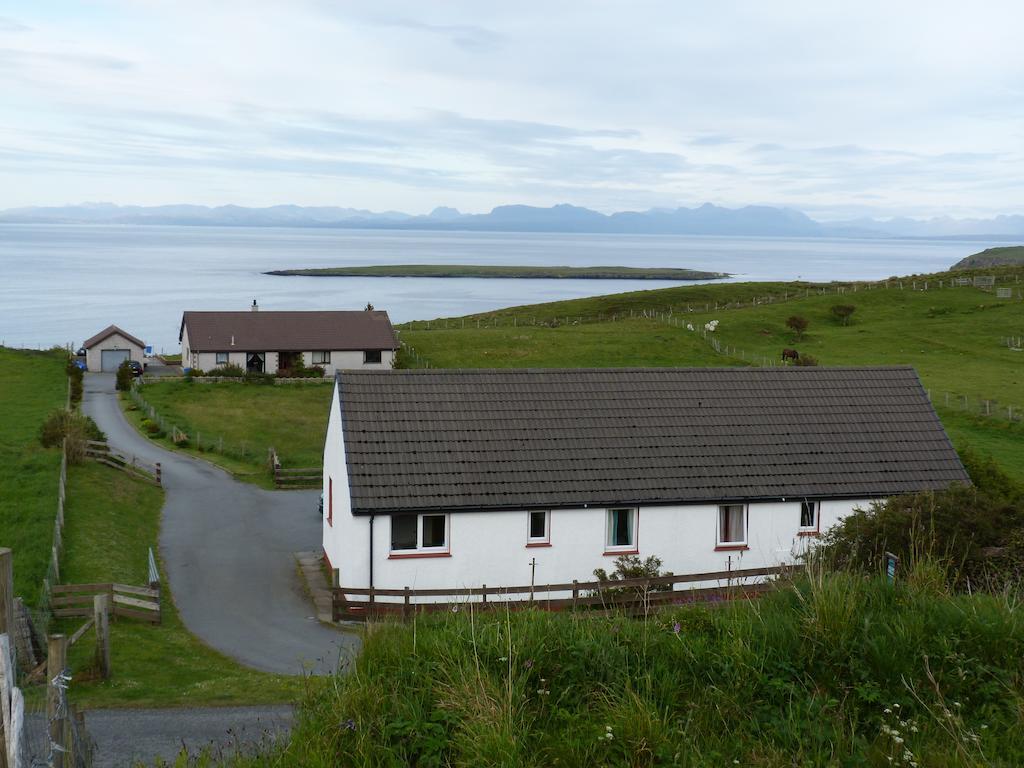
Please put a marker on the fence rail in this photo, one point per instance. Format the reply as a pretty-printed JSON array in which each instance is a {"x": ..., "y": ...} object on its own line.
[
  {"x": 103, "y": 453},
  {"x": 623, "y": 595},
  {"x": 302, "y": 477},
  {"x": 76, "y": 600}
]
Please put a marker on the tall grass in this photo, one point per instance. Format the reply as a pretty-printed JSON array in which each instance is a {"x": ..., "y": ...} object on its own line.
[{"x": 832, "y": 669}]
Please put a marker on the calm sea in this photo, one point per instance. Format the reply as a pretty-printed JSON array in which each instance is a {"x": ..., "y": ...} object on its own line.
[{"x": 61, "y": 284}]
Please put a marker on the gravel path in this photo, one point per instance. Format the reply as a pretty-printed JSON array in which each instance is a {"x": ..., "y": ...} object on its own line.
[
  {"x": 126, "y": 736},
  {"x": 229, "y": 552}
]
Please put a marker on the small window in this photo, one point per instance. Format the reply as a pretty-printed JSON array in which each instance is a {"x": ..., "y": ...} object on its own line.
[
  {"x": 621, "y": 529},
  {"x": 321, "y": 358},
  {"x": 222, "y": 358},
  {"x": 538, "y": 528},
  {"x": 808, "y": 515},
  {"x": 419, "y": 533},
  {"x": 403, "y": 532},
  {"x": 732, "y": 525},
  {"x": 371, "y": 356},
  {"x": 433, "y": 531}
]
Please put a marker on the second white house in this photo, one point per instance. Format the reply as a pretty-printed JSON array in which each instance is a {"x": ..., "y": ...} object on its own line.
[
  {"x": 272, "y": 342},
  {"x": 454, "y": 479}
]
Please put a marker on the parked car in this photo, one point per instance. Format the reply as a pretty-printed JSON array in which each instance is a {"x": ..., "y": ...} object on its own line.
[
  {"x": 80, "y": 352},
  {"x": 136, "y": 367}
]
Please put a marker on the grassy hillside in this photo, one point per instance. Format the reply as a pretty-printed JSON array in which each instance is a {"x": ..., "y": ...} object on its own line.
[
  {"x": 835, "y": 670},
  {"x": 954, "y": 338},
  {"x": 1012, "y": 255},
  {"x": 31, "y": 385}
]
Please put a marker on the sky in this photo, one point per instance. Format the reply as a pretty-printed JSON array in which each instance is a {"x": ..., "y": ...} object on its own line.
[{"x": 838, "y": 109}]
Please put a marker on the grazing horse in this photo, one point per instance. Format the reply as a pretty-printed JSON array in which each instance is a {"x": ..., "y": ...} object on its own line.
[{"x": 790, "y": 354}]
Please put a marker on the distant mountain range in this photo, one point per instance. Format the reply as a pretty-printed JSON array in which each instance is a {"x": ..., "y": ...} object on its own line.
[{"x": 706, "y": 219}]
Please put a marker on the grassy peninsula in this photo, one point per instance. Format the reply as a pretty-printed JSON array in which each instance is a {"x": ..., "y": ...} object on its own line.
[{"x": 498, "y": 271}]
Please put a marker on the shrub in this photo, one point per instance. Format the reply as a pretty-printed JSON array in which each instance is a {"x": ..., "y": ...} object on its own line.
[
  {"x": 798, "y": 325},
  {"x": 252, "y": 377},
  {"x": 76, "y": 427},
  {"x": 228, "y": 370},
  {"x": 632, "y": 567},
  {"x": 124, "y": 377},
  {"x": 842, "y": 312},
  {"x": 965, "y": 528},
  {"x": 150, "y": 426},
  {"x": 805, "y": 359},
  {"x": 191, "y": 373},
  {"x": 75, "y": 376}
]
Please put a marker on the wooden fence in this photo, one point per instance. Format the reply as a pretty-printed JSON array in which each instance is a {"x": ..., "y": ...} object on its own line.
[
  {"x": 132, "y": 465},
  {"x": 303, "y": 477},
  {"x": 628, "y": 595},
  {"x": 125, "y": 600}
]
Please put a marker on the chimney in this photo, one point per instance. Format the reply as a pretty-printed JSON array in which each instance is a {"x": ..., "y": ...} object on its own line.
[{"x": 255, "y": 307}]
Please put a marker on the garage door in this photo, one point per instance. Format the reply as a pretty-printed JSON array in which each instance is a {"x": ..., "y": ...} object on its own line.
[{"x": 112, "y": 358}]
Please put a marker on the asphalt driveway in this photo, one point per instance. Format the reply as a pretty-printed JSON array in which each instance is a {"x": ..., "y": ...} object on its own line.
[{"x": 228, "y": 549}]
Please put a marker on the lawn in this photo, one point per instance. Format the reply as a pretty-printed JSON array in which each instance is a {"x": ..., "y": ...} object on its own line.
[
  {"x": 247, "y": 419},
  {"x": 111, "y": 520},
  {"x": 31, "y": 385}
]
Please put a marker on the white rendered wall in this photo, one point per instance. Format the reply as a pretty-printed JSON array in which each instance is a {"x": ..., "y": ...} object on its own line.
[
  {"x": 94, "y": 355},
  {"x": 348, "y": 360},
  {"x": 490, "y": 547}
]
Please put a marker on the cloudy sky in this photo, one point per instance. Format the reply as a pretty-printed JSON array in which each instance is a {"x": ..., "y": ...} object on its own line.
[{"x": 836, "y": 108}]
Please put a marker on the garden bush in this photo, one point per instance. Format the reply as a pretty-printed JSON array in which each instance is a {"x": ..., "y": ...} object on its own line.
[
  {"x": 73, "y": 425},
  {"x": 230, "y": 371},
  {"x": 974, "y": 531},
  {"x": 124, "y": 377}
]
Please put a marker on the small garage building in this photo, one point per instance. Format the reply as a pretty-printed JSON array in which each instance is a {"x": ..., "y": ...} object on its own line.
[{"x": 110, "y": 347}]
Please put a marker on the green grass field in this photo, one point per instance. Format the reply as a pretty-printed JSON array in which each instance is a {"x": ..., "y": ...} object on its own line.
[
  {"x": 250, "y": 418},
  {"x": 111, "y": 520},
  {"x": 952, "y": 336},
  {"x": 31, "y": 385}
]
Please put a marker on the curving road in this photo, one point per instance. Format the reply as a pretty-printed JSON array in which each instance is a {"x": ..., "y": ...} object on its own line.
[{"x": 228, "y": 550}]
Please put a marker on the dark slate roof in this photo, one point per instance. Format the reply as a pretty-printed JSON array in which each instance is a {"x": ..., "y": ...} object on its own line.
[
  {"x": 106, "y": 333},
  {"x": 519, "y": 439},
  {"x": 264, "y": 331}
]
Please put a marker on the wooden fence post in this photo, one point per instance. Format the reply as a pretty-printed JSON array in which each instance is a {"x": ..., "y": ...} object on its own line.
[
  {"x": 483, "y": 593},
  {"x": 405, "y": 605},
  {"x": 56, "y": 662},
  {"x": 7, "y": 626},
  {"x": 101, "y": 619},
  {"x": 575, "y": 593}
]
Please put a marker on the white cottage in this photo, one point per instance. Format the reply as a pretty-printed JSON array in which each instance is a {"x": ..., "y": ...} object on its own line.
[
  {"x": 453, "y": 479},
  {"x": 269, "y": 342}
]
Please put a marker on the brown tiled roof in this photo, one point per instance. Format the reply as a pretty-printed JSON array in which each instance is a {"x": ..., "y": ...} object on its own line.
[
  {"x": 517, "y": 439},
  {"x": 288, "y": 331},
  {"x": 110, "y": 330}
]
